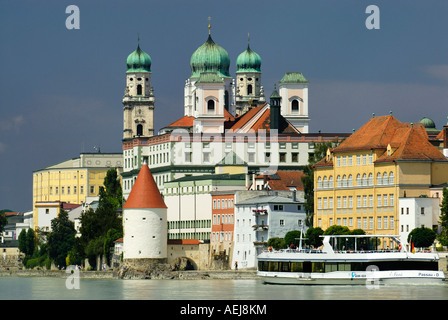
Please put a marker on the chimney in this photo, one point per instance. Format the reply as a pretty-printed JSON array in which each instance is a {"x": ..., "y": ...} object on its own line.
[{"x": 275, "y": 110}]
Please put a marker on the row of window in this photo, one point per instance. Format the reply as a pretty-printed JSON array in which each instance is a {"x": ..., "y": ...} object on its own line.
[
  {"x": 251, "y": 157},
  {"x": 321, "y": 267},
  {"x": 71, "y": 190},
  {"x": 361, "y": 181},
  {"x": 222, "y": 203},
  {"x": 362, "y": 201},
  {"x": 360, "y": 160},
  {"x": 187, "y": 224},
  {"x": 222, "y": 236},
  {"x": 365, "y": 223},
  {"x": 222, "y": 219}
]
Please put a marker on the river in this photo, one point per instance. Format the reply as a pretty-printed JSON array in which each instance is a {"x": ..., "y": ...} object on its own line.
[{"x": 40, "y": 288}]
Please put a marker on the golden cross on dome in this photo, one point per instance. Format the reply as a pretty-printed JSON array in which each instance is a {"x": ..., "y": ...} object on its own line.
[{"x": 209, "y": 24}]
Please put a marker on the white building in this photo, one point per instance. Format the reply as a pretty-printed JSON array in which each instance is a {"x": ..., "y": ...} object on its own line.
[
  {"x": 260, "y": 218},
  {"x": 189, "y": 202},
  {"x": 417, "y": 213}
]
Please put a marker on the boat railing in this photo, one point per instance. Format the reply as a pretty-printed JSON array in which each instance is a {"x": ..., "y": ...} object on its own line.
[{"x": 320, "y": 251}]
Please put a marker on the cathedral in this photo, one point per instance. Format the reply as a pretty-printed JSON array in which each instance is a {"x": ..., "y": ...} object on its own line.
[{"x": 222, "y": 115}]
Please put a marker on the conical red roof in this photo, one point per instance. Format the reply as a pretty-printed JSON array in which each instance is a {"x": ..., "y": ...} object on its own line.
[{"x": 145, "y": 193}]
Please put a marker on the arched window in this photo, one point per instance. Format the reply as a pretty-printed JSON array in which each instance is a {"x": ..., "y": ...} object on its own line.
[
  {"x": 385, "y": 180},
  {"x": 325, "y": 182},
  {"x": 139, "y": 90},
  {"x": 330, "y": 180},
  {"x": 344, "y": 181},
  {"x": 295, "y": 106},
  {"x": 358, "y": 180},
  {"x": 249, "y": 89},
  {"x": 139, "y": 130},
  {"x": 210, "y": 106},
  {"x": 338, "y": 181},
  {"x": 378, "y": 179},
  {"x": 364, "y": 179},
  {"x": 370, "y": 179},
  {"x": 391, "y": 177},
  {"x": 350, "y": 181},
  {"x": 319, "y": 182}
]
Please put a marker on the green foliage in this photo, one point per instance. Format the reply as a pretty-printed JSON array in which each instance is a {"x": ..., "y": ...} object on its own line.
[
  {"x": 337, "y": 230},
  {"x": 3, "y": 221},
  {"x": 61, "y": 239},
  {"x": 293, "y": 237},
  {"x": 422, "y": 237},
  {"x": 276, "y": 243},
  {"x": 313, "y": 237},
  {"x": 111, "y": 195},
  {"x": 443, "y": 236},
  {"x": 27, "y": 242}
]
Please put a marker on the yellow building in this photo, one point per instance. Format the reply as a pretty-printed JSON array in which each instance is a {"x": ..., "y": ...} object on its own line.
[
  {"x": 72, "y": 181},
  {"x": 358, "y": 184}
]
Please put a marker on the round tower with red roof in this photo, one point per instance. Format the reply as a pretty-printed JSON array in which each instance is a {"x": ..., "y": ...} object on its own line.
[{"x": 145, "y": 220}]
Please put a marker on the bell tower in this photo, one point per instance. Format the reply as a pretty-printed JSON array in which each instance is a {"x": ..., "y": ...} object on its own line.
[
  {"x": 138, "y": 100},
  {"x": 249, "y": 91}
]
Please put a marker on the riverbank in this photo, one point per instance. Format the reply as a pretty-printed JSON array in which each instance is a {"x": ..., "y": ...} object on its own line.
[{"x": 111, "y": 274}]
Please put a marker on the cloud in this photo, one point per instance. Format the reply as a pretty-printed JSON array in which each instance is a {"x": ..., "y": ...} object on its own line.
[
  {"x": 13, "y": 123},
  {"x": 437, "y": 71}
]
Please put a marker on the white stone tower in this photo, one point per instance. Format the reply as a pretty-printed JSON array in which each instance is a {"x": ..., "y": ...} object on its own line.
[
  {"x": 145, "y": 220},
  {"x": 293, "y": 89}
]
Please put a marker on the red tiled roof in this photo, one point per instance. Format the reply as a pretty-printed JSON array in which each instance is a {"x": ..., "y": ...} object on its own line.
[
  {"x": 185, "y": 121},
  {"x": 145, "y": 193},
  {"x": 407, "y": 141},
  {"x": 282, "y": 180}
]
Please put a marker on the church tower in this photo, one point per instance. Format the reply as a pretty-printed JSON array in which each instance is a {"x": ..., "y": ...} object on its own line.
[
  {"x": 293, "y": 89},
  {"x": 145, "y": 220},
  {"x": 209, "y": 92},
  {"x": 249, "y": 91},
  {"x": 138, "y": 100}
]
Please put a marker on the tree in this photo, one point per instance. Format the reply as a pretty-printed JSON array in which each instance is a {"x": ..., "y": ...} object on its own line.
[
  {"x": 111, "y": 195},
  {"x": 61, "y": 239},
  {"x": 3, "y": 221},
  {"x": 313, "y": 236},
  {"x": 422, "y": 237},
  {"x": 337, "y": 230},
  {"x": 293, "y": 237},
  {"x": 276, "y": 243},
  {"x": 27, "y": 242},
  {"x": 443, "y": 236}
]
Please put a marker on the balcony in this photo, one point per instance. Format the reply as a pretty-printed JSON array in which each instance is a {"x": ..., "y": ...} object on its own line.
[
  {"x": 260, "y": 227},
  {"x": 260, "y": 211}
]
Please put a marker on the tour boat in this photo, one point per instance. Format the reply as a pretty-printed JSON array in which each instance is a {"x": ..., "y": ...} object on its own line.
[{"x": 349, "y": 259}]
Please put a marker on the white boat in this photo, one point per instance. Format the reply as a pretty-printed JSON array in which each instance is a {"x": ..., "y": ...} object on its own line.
[{"x": 348, "y": 259}]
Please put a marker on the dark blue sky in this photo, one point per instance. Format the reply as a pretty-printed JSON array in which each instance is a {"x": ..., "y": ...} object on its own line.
[{"x": 61, "y": 90}]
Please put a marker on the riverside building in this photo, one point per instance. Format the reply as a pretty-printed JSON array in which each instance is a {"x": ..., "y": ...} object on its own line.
[{"x": 359, "y": 183}]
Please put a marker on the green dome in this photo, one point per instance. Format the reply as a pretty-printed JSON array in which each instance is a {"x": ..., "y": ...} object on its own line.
[
  {"x": 138, "y": 61},
  {"x": 248, "y": 61},
  {"x": 210, "y": 57},
  {"x": 428, "y": 123}
]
